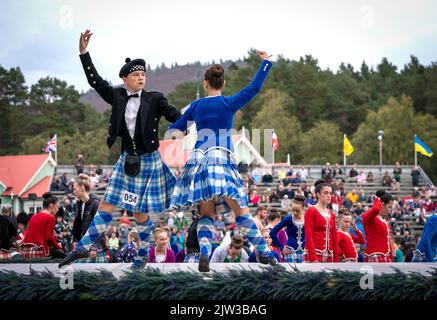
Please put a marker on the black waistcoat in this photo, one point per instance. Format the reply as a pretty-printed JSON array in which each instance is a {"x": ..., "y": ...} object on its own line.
[{"x": 127, "y": 143}]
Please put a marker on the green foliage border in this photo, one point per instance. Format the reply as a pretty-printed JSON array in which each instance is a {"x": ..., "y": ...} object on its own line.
[{"x": 269, "y": 284}]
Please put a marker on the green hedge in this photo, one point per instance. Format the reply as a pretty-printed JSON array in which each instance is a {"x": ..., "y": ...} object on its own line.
[{"x": 237, "y": 284}]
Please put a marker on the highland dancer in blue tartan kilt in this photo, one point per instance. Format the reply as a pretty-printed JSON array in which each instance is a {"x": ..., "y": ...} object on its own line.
[
  {"x": 293, "y": 223},
  {"x": 140, "y": 182},
  {"x": 210, "y": 177}
]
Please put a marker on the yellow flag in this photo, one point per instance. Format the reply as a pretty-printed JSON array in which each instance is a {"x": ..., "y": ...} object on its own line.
[{"x": 347, "y": 146}]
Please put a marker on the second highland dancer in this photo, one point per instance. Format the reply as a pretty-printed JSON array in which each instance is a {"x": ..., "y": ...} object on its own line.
[{"x": 210, "y": 176}]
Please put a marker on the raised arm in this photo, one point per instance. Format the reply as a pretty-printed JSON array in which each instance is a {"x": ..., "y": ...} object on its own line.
[
  {"x": 374, "y": 211},
  {"x": 358, "y": 237},
  {"x": 94, "y": 79},
  {"x": 240, "y": 99}
]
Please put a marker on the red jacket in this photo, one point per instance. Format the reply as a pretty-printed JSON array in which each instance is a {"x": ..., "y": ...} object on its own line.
[
  {"x": 377, "y": 231},
  {"x": 41, "y": 231},
  {"x": 346, "y": 245},
  {"x": 336, "y": 199},
  {"x": 320, "y": 234}
]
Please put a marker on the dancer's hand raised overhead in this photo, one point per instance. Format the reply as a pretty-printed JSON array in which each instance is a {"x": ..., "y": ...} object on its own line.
[
  {"x": 83, "y": 42},
  {"x": 263, "y": 55}
]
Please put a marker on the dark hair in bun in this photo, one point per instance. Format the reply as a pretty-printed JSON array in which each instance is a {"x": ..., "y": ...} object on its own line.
[
  {"x": 46, "y": 195},
  {"x": 299, "y": 199},
  {"x": 23, "y": 218},
  {"x": 273, "y": 215},
  {"x": 384, "y": 196},
  {"x": 319, "y": 185},
  {"x": 48, "y": 200},
  {"x": 237, "y": 241},
  {"x": 344, "y": 212},
  {"x": 215, "y": 75}
]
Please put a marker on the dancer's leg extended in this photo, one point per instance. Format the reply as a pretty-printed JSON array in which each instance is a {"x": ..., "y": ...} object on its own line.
[
  {"x": 248, "y": 228},
  {"x": 98, "y": 226},
  {"x": 145, "y": 227},
  {"x": 205, "y": 232}
]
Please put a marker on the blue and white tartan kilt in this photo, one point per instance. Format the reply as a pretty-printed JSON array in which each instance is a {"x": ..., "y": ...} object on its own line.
[
  {"x": 153, "y": 185},
  {"x": 210, "y": 175},
  {"x": 100, "y": 258},
  {"x": 419, "y": 257},
  {"x": 295, "y": 257},
  {"x": 192, "y": 258}
]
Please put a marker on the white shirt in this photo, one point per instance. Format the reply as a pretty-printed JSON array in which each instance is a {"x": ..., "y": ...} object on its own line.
[
  {"x": 286, "y": 203},
  {"x": 160, "y": 258},
  {"x": 83, "y": 210},
  {"x": 130, "y": 115},
  {"x": 220, "y": 253},
  {"x": 303, "y": 174},
  {"x": 95, "y": 179}
]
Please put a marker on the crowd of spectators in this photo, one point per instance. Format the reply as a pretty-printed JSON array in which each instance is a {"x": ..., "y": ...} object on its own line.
[{"x": 270, "y": 195}]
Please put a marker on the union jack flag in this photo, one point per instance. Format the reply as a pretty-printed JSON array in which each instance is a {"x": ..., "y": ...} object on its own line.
[{"x": 51, "y": 144}]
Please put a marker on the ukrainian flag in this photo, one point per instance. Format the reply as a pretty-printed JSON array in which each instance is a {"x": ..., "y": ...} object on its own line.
[{"x": 419, "y": 146}]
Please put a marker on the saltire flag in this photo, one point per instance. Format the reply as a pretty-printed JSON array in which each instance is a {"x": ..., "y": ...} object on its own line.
[
  {"x": 275, "y": 143},
  {"x": 420, "y": 147},
  {"x": 347, "y": 146},
  {"x": 51, "y": 144}
]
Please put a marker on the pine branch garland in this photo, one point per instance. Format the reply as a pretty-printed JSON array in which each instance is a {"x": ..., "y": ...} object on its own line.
[{"x": 236, "y": 284}]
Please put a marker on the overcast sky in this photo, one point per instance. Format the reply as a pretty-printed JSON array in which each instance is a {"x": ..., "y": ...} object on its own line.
[{"x": 41, "y": 36}]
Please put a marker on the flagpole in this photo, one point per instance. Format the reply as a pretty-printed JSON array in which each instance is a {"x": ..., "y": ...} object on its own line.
[
  {"x": 415, "y": 152},
  {"x": 344, "y": 161},
  {"x": 273, "y": 165},
  {"x": 344, "y": 154},
  {"x": 56, "y": 148},
  {"x": 273, "y": 147}
]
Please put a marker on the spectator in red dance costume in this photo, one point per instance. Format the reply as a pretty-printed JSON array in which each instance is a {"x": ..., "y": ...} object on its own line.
[
  {"x": 320, "y": 228},
  {"x": 41, "y": 229},
  {"x": 255, "y": 198},
  {"x": 346, "y": 240},
  {"x": 377, "y": 229}
]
